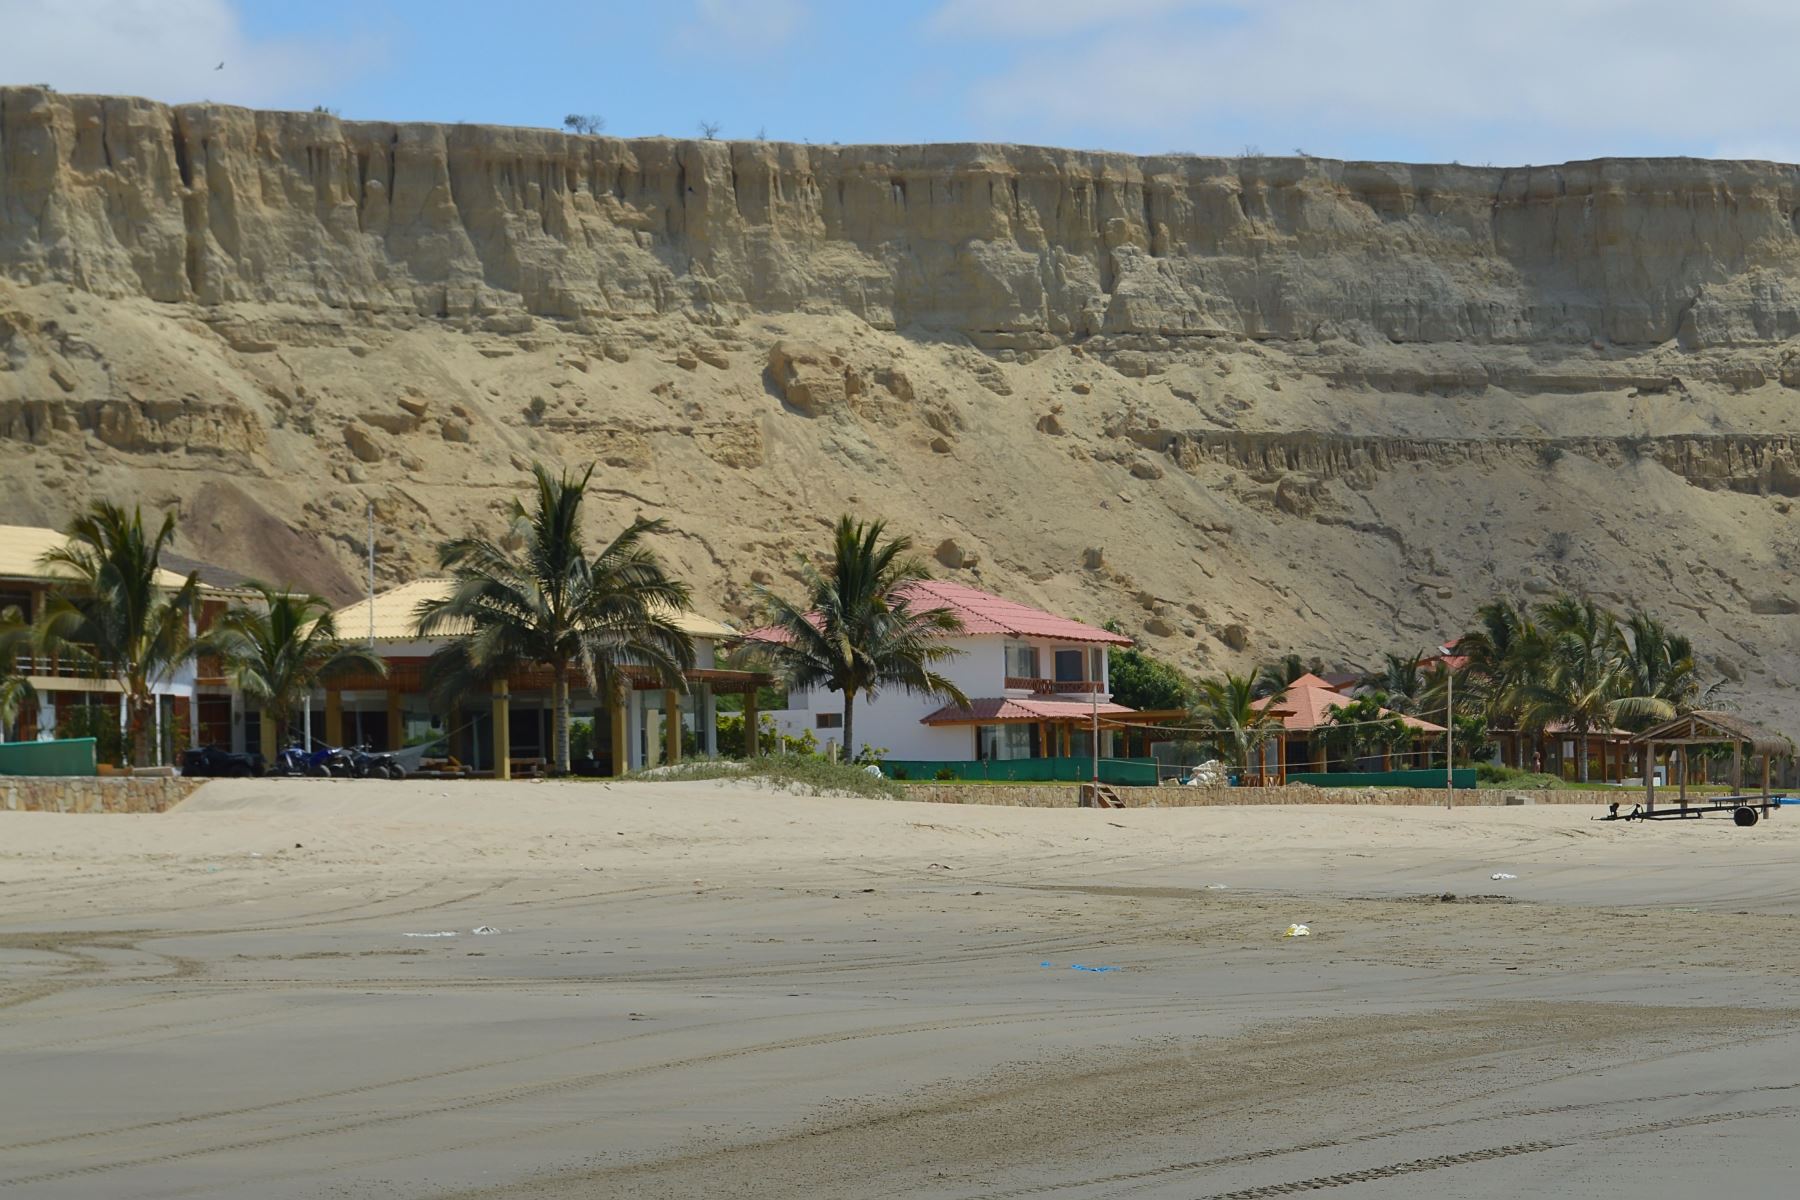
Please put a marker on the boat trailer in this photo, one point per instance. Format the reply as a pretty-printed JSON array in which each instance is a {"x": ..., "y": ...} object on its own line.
[{"x": 1744, "y": 810}]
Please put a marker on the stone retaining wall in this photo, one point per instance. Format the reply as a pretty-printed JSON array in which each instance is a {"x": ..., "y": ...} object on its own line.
[
  {"x": 40, "y": 793},
  {"x": 1067, "y": 795}
]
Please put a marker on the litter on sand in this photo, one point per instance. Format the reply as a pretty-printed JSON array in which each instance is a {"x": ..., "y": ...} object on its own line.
[
  {"x": 1297, "y": 931},
  {"x": 439, "y": 933},
  {"x": 483, "y": 929},
  {"x": 1095, "y": 970},
  {"x": 1213, "y": 887},
  {"x": 1502, "y": 875}
]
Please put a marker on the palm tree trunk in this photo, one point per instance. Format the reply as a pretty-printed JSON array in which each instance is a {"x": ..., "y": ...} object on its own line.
[
  {"x": 136, "y": 732},
  {"x": 1584, "y": 755},
  {"x": 560, "y": 717},
  {"x": 849, "y": 725}
]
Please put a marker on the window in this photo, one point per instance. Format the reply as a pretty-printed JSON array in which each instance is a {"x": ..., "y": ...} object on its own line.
[
  {"x": 1001, "y": 742},
  {"x": 1068, "y": 666},
  {"x": 1097, "y": 663},
  {"x": 1021, "y": 661},
  {"x": 829, "y": 721}
]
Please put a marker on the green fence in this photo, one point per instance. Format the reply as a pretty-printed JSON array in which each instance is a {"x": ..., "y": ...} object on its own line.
[
  {"x": 1464, "y": 778},
  {"x": 1127, "y": 772},
  {"x": 70, "y": 756}
]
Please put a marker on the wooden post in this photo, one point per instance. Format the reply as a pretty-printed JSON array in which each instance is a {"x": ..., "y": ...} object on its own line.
[
  {"x": 621, "y": 756},
  {"x": 1765, "y": 784},
  {"x": 334, "y": 717},
  {"x": 396, "y": 736},
  {"x": 1737, "y": 768},
  {"x": 502, "y": 730},
  {"x": 1681, "y": 751},
  {"x": 751, "y": 748},
  {"x": 1650, "y": 777},
  {"x": 671, "y": 725}
]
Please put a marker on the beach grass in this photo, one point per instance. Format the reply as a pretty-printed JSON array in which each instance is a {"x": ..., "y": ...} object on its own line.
[{"x": 799, "y": 773}]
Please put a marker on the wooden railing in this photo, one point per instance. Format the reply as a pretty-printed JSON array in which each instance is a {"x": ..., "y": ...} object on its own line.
[
  {"x": 49, "y": 666},
  {"x": 1053, "y": 687}
]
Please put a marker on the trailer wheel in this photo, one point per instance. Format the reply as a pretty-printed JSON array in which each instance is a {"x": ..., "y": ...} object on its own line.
[{"x": 1745, "y": 816}]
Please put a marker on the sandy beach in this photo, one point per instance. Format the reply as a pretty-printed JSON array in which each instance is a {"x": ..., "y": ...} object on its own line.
[{"x": 711, "y": 990}]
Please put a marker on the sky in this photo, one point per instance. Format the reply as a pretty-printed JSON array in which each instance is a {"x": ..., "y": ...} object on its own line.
[{"x": 1474, "y": 81}]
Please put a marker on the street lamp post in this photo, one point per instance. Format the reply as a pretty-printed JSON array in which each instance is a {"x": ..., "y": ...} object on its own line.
[{"x": 1449, "y": 730}]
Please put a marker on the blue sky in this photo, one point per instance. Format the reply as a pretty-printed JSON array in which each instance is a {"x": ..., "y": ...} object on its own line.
[{"x": 1529, "y": 81}]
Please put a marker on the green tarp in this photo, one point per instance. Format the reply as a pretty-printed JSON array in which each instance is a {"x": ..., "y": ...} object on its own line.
[
  {"x": 1464, "y": 778},
  {"x": 71, "y": 756},
  {"x": 1126, "y": 772}
]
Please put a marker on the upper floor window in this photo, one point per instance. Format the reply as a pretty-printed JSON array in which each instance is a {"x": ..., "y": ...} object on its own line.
[
  {"x": 1021, "y": 661},
  {"x": 1069, "y": 664}
]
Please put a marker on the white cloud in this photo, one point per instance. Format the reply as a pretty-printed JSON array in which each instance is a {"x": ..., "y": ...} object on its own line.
[
  {"x": 733, "y": 26},
  {"x": 1045, "y": 18},
  {"x": 1534, "y": 80},
  {"x": 166, "y": 50}
]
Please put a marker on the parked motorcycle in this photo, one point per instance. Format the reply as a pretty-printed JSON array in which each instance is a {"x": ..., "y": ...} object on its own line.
[
  {"x": 291, "y": 761},
  {"x": 368, "y": 763},
  {"x": 331, "y": 761},
  {"x": 214, "y": 761}
]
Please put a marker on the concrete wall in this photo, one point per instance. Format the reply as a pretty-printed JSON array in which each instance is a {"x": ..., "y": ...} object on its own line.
[
  {"x": 37, "y": 793},
  {"x": 1063, "y": 795}
]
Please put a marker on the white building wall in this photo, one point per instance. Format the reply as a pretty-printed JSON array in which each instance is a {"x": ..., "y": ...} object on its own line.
[{"x": 891, "y": 719}]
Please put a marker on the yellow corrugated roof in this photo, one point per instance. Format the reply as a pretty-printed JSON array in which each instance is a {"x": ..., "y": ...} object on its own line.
[
  {"x": 396, "y": 618},
  {"x": 22, "y": 548}
]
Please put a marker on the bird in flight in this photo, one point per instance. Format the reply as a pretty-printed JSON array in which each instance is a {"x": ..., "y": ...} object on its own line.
[{"x": 220, "y": 67}]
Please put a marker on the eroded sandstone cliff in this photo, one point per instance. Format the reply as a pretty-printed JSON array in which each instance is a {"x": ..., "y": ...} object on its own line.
[{"x": 1246, "y": 405}]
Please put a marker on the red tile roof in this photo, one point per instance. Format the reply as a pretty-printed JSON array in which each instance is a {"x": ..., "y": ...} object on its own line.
[
  {"x": 985, "y": 613},
  {"x": 998, "y": 710},
  {"x": 1308, "y": 702}
]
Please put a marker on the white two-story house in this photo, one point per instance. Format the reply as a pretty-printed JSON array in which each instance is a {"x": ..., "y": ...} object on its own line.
[{"x": 1037, "y": 684}]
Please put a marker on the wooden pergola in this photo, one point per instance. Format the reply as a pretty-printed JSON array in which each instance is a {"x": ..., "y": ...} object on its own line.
[{"x": 1704, "y": 727}]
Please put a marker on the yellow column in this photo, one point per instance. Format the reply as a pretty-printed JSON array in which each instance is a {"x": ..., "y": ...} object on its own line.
[
  {"x": 502, "y": 731},
  {"x": 671, "y": 725},
  {"x": 396, "y": 735},
  {"x": 620, "y": 758},
  {"x": 751, "y": 742},
  {"x": 334, "y": 717}
]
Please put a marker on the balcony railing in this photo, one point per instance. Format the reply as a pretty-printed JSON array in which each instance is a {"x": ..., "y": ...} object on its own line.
[
  {"x": 1053, "y": 687},
  {"x": 47, "y": 666}
]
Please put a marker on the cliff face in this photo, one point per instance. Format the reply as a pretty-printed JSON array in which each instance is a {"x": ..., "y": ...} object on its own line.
[
  {"x": 1009, "y": 245},
  {"x": 1248, "y": 405}
]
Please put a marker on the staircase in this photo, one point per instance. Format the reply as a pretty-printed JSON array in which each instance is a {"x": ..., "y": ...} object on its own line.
[{"x": 1099, "y": 795}]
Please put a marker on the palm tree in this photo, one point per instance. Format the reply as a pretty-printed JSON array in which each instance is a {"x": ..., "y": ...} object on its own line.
[
  {"x": 1659, "y": 663},
  {"x": 115, "y": 617},
  {"x": 1362, "y": 726},
  {"x": 1586, "y": 685},
  {"x": 278, "y": 651},
  {"x": 1274, "y": 677},
  {"x": 1506, "y": 654},
  {"x": 1237, "y": 717},
  {"x": 856, "y": 630},
  {"x": 15, "y": 690},
  {"x": 1400, "y": 682},
  {"x": 549, "y": 603}
]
